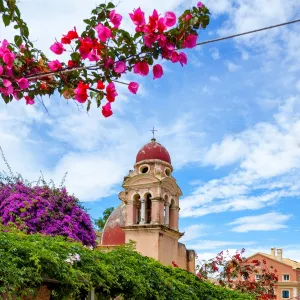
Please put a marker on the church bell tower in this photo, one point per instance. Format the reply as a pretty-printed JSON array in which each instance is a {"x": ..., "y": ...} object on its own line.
[{"x": 151, "y": 199}]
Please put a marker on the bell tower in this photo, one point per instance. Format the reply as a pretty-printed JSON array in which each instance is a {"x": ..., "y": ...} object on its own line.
[{"x": 151, "y": 199}]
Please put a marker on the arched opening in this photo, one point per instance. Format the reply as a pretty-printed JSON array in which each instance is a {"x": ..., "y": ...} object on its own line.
[
  {"x": 137, "y": 200},
  {"x": 148, "y": 208}
]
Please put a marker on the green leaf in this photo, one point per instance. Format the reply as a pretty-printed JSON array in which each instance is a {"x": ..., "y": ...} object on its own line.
[
  {"x": 25, "y": 30},
  {"x": 87, "y": 21},
  {"x": 99, "y": 10},
  {"x": 110, "y": 5},
  {"x": 18, "y": 40},
  {"x": 89, "y": 105},
  {"x": 75, "y": 56},
  {"x": 6, "y": 99},
  {"x": 6, "y": 20}
]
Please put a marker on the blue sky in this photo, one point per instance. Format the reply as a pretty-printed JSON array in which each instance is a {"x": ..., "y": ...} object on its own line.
[{"x": 230, "y": 120}]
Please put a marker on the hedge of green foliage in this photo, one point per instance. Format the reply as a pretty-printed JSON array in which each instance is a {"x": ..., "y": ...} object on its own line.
[{"x": 26, "y": 260}]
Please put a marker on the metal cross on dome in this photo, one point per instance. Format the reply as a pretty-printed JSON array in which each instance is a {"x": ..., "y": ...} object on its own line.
[{"x": 153, "y": 132}]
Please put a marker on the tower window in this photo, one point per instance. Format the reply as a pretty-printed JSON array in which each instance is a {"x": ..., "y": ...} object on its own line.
[
  {"x": 144, "y": 169},
  {"x": 168, "y": 172}
]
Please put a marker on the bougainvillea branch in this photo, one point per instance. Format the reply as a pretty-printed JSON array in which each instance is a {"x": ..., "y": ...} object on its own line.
[
  {"x": 239, "y": 273},
  {"x": 25, "y": 72}
]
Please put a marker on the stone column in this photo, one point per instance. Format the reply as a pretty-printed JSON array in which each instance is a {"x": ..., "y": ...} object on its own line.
[
  {"x": 174, "y": 217},
  {"x": 91, "y": 295},
  {"x": 143, "y": 211},
  {"x": 137, "y": 215},
  {"x": 167, "y": 214},
  {"x": 130, "y": 213},
  {"x": 155, "y": 210}
]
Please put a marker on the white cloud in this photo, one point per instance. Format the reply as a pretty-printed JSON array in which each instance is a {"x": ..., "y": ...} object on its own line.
[
  {"x": 215, "y": 54},
  {"x": 268, "y": 163},
  {"x": 193, "y": 232},
  {"x": 265, "y": 222},
  {"x": 298, "y": 85},
  {"x": 210, "y": 244},
  {"x": 214, "y": 78},
  {"x": 232, "y": 67},
  {"x": 231, "y": 150}
]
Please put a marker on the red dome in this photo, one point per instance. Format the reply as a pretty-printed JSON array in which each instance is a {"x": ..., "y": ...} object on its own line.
[
  {"x": 153, "y": 150},
  {"x": 112, "y": 232}
]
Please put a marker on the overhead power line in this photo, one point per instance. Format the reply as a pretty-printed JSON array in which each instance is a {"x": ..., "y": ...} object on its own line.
[{"x": 247, "y": 32}]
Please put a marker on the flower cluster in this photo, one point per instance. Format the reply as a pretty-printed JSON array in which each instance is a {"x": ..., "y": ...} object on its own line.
[
  {"x": 236, "y": 272},
  {"x": 10, "y": 84},
  {"x": 46, "y": 210},
  {"x": 100, "y": 55},
  {"x": 72, "y": 258}
]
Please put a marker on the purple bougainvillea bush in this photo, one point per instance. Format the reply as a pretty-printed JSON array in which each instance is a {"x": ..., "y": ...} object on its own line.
[{"x": 50, "y": 211}]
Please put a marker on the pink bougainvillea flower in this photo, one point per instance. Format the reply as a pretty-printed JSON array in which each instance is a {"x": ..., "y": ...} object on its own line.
[
  {"x": 138, "y": 17},
  {"x": 161, "y": 26},
  {"x": 157, "y": 71},
  {"x": 23, "y": 83},
  {"x": 170, "y": 19},
  {"x": 71, "y": 63},
  {"x": 182, "y": 58},
  {"x": 29, "y": 100},
  {"x": 175, "y": 57},
  {"x": 104, "y": 32},
  {"x": 8, "y": 59},
  {"x": 162, "y": 40},
  {"x": 120, "y": 67},
  {"x": 154, "y": 16},
  {"x": 200, "y": 4},
  {"x": 115, "y": 18},
  {"x": 93, "y": 55},
  {"x": 15, "y": 94},
  {"x": 141, "y": 68},
  {"x": 106, "y": 110},
  {"x": 57, "y": 48},
  {"x": 85, "y": 47},
  {"x": 7, "y": 87},
  {"x": 100, "y": 85},
  {"x": 111, "y": 92},
  {"x": 72, "y": 34},
  {"x": 150, "y": 39},
  {"x": 187, "y": 17},
  {"x": 81, "y": 92},
  {"x": 133, "y": 87},
  {"x": 168, "y": 50},
  {"x": 54, "y": 65},
  {"x": 65, "y": 40},
  {"x": 190, "y": 41},
  {"x": 1, "y": 70},
  {"x": 108, "y": 62}
]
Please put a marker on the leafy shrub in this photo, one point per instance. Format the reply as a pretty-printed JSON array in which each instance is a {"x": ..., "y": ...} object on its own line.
[{"x": 27, "y": 259}]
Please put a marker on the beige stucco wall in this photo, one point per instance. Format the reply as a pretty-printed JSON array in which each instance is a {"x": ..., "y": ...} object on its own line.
[
  {"x": 146, "y": 241},
  {"x": 167, "y": 249},
  {"x": 182, "y": 256}
]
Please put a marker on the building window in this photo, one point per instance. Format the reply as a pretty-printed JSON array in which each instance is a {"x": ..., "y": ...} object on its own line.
[
  {"x": 257, "y": 277},
  {"x": 286, "y": 277},
  {"x": 285, "y": 294},
  {"x": 144, "y": 169},
  {"x": 167, "y": 171}
]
